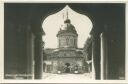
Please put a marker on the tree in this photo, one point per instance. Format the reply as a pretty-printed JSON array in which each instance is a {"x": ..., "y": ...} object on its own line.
[{"x": 88, "y": 49}]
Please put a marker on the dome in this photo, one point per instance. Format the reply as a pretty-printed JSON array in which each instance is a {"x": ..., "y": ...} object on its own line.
[
  {"x": 67, "y": 27},
  {"x": 67, "y": 21}
]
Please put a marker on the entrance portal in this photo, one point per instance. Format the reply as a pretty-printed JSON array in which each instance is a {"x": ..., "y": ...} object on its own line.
[{"x": 67, "y": 68}]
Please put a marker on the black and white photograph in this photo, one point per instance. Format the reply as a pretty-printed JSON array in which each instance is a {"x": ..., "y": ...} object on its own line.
[{"x": 64, "y": 42}]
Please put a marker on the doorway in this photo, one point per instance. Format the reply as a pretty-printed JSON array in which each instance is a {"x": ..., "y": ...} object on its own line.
[{"x": 67, "y": 68}]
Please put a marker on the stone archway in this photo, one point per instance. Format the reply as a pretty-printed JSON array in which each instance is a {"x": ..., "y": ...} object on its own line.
[
  {"x": 81, "y": 12},
  {"x": 42, "y": 16}
]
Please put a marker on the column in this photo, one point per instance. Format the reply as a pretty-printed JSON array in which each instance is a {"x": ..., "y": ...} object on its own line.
[
  {"x": 38, "y": 57},
  {"x": 96, "y": 55},
  {"x": 29, "y": 50},
  {"x": 104, "y": 56}
]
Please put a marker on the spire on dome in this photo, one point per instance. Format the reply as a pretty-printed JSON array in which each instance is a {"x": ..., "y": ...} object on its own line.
[
  {"x": 67, "y": 20},
  {"x": 65, "y": 15}
]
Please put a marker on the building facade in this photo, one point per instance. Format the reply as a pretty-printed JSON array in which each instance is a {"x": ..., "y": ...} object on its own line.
[{"x": 67, "y": 58}]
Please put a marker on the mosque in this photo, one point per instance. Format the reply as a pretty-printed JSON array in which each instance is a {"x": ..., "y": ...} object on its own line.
[{"x": 67, "y": 58}]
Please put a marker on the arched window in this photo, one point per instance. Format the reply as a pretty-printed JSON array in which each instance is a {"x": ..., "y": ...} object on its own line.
[{"x": 67, "y": 40}]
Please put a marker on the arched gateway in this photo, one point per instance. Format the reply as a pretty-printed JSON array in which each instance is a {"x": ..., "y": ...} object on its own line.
[{"x": 67, "y": 56}]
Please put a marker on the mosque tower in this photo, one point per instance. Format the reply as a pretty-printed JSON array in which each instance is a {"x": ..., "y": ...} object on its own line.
[{"x": 67, "y": 35}]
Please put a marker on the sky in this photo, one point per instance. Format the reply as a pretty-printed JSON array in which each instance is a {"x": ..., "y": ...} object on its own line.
[{"x": 52, "y": 25}]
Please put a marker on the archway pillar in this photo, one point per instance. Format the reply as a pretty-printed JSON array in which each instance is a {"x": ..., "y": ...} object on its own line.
[
  {"x": 38, "y": 57},
  {"x": 104, "y": 56},
  {"x": 95, "y": 54}
]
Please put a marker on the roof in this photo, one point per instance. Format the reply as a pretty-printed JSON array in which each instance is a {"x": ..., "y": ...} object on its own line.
[
  {"x": 48, "y": 50},
  {"x": 56, "y": 52}
]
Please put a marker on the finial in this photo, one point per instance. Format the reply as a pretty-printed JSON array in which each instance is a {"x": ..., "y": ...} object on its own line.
[{"x": 65, "y": 15}]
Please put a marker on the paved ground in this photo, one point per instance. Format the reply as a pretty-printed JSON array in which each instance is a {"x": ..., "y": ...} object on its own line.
[{"x": 67, "y": 77}]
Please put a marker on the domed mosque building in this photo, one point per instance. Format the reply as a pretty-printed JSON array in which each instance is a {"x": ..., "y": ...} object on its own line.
[{"x": 67, "y": 58}]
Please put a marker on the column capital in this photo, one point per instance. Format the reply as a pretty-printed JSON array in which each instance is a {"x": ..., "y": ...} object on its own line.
[
  {"x": 106, "y": 31},
  {"x": 94, "y": 33},
  {"x": 103, "y": 34}
]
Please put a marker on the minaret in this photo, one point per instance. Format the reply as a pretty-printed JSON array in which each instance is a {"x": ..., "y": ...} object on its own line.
[{"x": 67, "y": 36}]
